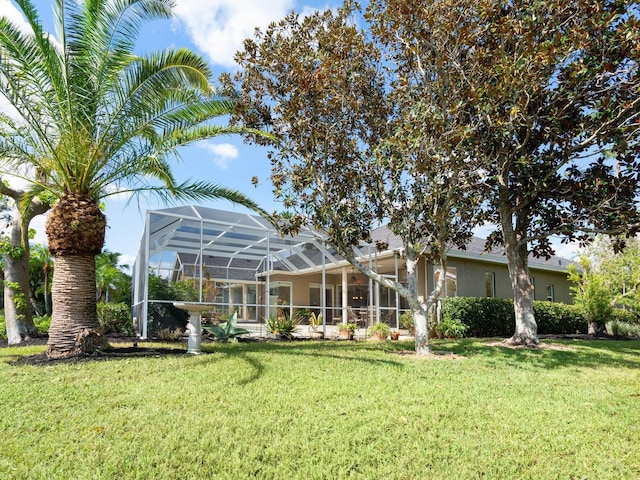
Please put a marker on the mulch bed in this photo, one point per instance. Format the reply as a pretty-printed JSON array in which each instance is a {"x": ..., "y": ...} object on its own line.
[{"x": 117, "y": 351}]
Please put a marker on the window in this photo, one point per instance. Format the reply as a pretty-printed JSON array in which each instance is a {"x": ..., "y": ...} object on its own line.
[
  {"x": 550, "y": 293},
  {"x": 450, "y": 285},
  {"x": 490, "y": 284}
]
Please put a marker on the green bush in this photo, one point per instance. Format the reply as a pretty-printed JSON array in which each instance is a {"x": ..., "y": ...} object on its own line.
[
  {"x": 451, "y": 328},
  {"x": 42, "y": 324},
  {"x": 494, "y": 317},
  {"x": 558, "y": 318},
  {"x": 625, "y": 316},
  {"x": 484, "y": 317},
  {"x": 115, "y": 318}
]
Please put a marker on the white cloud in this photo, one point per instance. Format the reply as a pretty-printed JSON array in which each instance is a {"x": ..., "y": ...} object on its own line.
[
  {"x": 218, "y": 27},
  {"x": 12, "y": 13},
  {"x": 223, "y": 153},
  {"x": 126, "y": 259}
]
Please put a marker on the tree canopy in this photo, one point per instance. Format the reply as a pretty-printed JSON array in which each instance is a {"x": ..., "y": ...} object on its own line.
[
  {"x": 528, "y": 110},
  {"x": 356, "y": 142}
]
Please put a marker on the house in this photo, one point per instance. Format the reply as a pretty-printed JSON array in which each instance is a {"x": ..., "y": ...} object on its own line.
[{"x": 238, "y": 262}]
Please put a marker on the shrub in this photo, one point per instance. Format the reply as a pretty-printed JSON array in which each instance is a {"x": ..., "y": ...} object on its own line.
[
  {"x": 622, "y": 329},
  {"x": 115, "y": 318},
  {"x": 406, "y": 320},
  {"x": 451, "y": 328},
  {"x": 170, "y": 335},
  {"x": 484, "y": 317},
  {"x": 494, "y": 317},
  {"x": 227, "y": 331},
  {"x": 624, "y": 316},
  {"x": 42, "y": 324},
  {"x": 558, "y": 318}
]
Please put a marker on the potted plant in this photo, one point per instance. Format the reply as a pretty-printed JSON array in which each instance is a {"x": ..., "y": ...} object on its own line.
[
  {"x": 303, "y": 314},
  {"x": 315, "y": 322},
  {"x": 346, "y": 331},
  {"x": 380, "y": 331},
  {"x": 281, "y": 326},
  {"x": 406, "y": 321},
  {"x": 395, "y": 335}
]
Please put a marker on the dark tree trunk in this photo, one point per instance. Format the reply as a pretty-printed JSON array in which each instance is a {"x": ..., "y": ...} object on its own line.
[{"x": 595, "y": 328}]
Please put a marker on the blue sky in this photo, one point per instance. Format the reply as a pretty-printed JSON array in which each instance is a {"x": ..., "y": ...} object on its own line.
[{"x": 216, "y": 29}]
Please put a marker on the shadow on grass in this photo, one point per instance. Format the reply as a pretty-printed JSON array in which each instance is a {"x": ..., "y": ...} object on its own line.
[
  {"x": 572, "y": 353},
  {"x": 350, "y": 351},
  {"x": 576, "y": 353}
]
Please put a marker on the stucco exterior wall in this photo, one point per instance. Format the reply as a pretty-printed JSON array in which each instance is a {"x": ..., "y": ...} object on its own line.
[{"x": 471, "y": 275}]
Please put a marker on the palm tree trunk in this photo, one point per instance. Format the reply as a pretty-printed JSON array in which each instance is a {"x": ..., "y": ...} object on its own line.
[
  {"x": 75, "y": 231},
  {"x": 74, "y": 320}
]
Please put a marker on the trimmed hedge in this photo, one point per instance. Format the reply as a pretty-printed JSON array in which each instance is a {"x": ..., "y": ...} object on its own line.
[
  {"x": 115, "y": 318},
  {"x": 494, "y": 317}
]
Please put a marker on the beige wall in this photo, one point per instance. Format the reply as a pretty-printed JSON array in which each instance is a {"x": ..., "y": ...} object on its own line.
[{"x": 471, "y": 280}]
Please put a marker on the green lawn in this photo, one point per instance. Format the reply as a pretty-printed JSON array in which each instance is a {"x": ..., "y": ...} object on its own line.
[{"x": 329, "y": 410}]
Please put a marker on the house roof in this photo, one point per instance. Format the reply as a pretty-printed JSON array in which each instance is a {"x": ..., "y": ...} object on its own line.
[
  {"x": 242, "y": 246},
  {"x": 229, "y": 241},
  {"x": 475, "y": 250}
]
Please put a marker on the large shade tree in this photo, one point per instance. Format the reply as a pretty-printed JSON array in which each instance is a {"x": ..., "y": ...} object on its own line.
[
  {"x": 548, "y": 92},
  {"x": 96, "y": 118},
  {"x": 358, "y": 142}
]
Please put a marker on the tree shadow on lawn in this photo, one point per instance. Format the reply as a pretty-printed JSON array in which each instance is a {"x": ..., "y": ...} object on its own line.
[
  {"x": 312, "y": 348},
  {"x": 572, "y": 353},
  {"x": 580, "y": 353}
]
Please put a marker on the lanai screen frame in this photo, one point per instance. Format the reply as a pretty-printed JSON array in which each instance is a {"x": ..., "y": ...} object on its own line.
[{"x": 226, "y": 234}]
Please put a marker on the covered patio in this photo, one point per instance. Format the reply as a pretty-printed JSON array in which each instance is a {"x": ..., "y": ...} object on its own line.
[{"x": 238, "y": 262}]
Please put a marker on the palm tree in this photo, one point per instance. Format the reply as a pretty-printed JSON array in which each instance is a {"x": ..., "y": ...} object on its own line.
[
  {"x": 93, "y": 118},
  {"x": 111, "y": 280}
]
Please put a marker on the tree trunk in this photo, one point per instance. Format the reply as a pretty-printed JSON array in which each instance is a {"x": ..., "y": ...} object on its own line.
[
  {"x": 526, "y": 331},
  {"x": 75, "y": 231},
  {"x": 418, "y": 311},
  {"x": 20, "y": 326},
  {"x": 47, "y": 294},
  {"x": 595, "y": 328},
  {"x": 75, "y": 319},
  {"x": 18, "y": 315}
]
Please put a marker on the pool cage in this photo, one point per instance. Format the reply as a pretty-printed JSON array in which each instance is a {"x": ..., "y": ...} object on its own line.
[{"x": 238, "y": 262}]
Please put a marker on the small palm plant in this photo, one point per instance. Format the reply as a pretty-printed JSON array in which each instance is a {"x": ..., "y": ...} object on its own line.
[
  {"x": 227, "y": 331},
  {"x": 315, "y": 321}
]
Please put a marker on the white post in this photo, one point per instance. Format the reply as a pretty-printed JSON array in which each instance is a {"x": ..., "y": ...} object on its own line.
[{"x": 345, "y": 295}]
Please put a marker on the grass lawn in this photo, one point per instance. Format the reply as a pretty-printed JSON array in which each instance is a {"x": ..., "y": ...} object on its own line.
[{"x": 326, "y": 410}]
